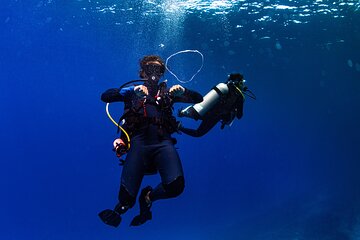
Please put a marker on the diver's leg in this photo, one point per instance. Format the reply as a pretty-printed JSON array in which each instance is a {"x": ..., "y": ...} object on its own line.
[
  {"x": 131, "y": 177},
  {"x": 171, "y": 172},
  {"x": 172, "y": 181},
  {"x": 133, "y": 170},
  {"x": 167, "y": 190}
]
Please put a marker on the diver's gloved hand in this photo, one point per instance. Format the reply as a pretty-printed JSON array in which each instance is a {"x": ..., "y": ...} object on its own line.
[
  {"x": 141, "y": 91},
  {"x": 176, "y": 90}
]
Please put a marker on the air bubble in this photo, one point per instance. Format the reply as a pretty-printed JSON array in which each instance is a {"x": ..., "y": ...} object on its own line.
[
  {"x": 278, "y": 46},
  {"x": 357, "y": 67}
]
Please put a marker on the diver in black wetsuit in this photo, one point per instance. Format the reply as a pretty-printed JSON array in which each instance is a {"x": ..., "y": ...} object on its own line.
[
  {"x": 150, "y": 123},
  {"x": 222, "y": 104}
]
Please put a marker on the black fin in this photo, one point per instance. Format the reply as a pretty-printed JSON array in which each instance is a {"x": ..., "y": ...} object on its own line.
[
  {"x": 141, "y": 219},
  {"x": 110, "y": 217}
]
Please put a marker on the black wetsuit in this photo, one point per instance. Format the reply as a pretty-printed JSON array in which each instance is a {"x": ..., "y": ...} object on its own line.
[
  {"x": 152, "y": 150},
  {"x": 229, "y": 107}
]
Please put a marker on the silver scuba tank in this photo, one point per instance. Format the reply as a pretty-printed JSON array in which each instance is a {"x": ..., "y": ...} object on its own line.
[{"x": 198, "y": 110}]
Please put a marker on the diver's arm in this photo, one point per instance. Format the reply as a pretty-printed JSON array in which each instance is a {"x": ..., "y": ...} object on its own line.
[
  {"x": 239, "y": 107},
  {"x": 116, "y": 95},
  {"x": 190, "y": 132},
  {"x": 189, "y": 96}
]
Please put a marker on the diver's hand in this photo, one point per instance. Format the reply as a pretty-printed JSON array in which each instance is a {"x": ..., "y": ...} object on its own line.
[
  {"x": 141, "y": 91},
  {"x": 177, "y": 90}
]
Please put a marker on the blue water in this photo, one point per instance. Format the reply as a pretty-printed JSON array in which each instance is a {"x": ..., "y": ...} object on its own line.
[{"x": 289, "y": 169}]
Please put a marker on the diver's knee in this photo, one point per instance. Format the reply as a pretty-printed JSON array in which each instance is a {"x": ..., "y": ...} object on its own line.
[
  {"x": 125, "y": 198},
  {"x": 176, "y": 187}
]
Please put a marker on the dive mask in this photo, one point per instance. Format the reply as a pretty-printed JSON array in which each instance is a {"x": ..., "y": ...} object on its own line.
[
  {"x": 153, "y": 71},
  {"x": 237, "y": 79}
]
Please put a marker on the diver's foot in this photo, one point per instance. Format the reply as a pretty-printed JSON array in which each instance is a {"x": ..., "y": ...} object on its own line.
[
  {"x": 110, "y": 217},
  {"x": 141, "y": 219},
  {"x": 145, "y": 205}
]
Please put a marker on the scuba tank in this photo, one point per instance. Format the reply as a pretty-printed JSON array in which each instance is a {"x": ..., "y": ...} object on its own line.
[
  {"x": 198, "y": 110},
  {"x": 218, "y": 93}
]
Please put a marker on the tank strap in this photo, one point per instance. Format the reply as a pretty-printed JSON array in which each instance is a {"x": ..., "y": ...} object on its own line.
[
  {"x": 218, "y": 91},
  {"x": 221, "y": 94}
]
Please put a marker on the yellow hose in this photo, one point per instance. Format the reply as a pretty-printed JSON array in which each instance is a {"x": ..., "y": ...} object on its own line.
[
  {"x": 240, "y": 91},
  {"x": 122, "y": 129}
]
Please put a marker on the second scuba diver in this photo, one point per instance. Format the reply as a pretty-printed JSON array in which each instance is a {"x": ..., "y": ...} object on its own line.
[
  {"x": 150, "y": 123},
  {"x": 222, "y": 104}
]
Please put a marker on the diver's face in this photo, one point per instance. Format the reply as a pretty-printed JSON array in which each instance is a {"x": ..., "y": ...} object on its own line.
[
  {"x": 152, "y": 71},
  {"x": 241, "y": 84}
]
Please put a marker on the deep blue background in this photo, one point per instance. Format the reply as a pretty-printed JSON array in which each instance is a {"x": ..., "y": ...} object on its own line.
[{"x": 289, "y": 169}]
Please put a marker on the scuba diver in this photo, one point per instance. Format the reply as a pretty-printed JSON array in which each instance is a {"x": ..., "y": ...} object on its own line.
[
  {"x": 222, "y": 104},
  {"x": 149, "y": 122}
]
